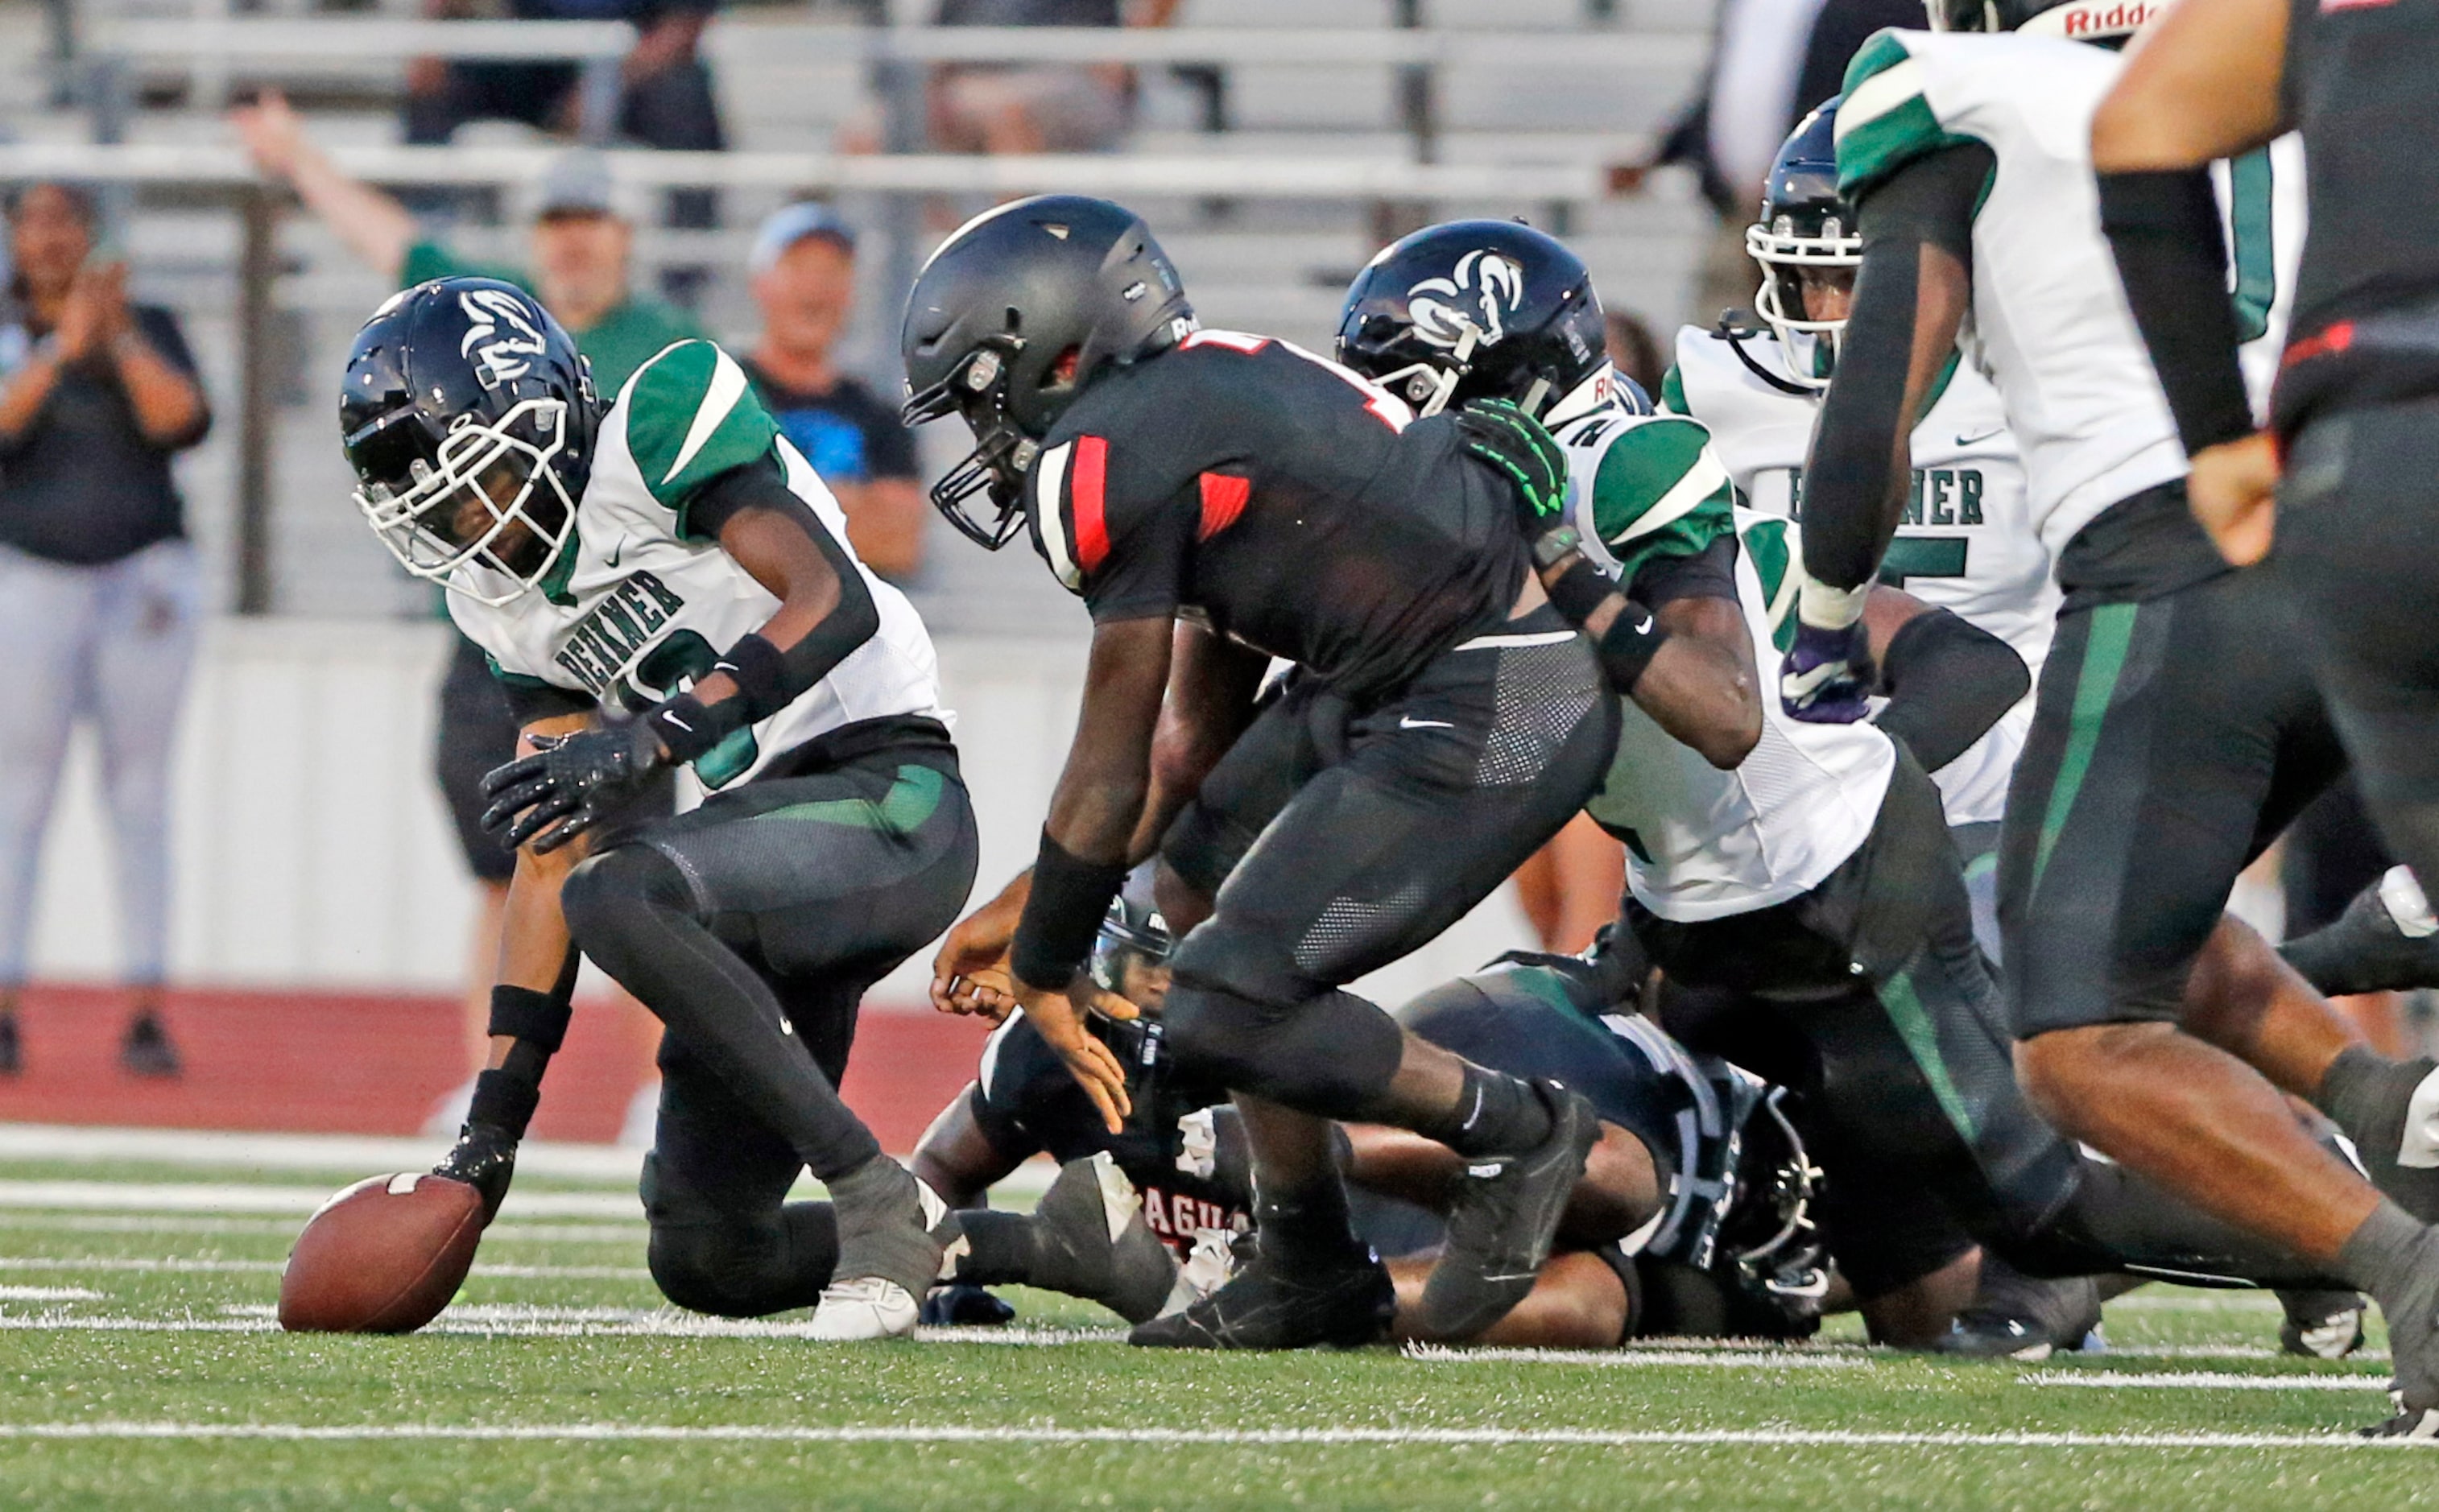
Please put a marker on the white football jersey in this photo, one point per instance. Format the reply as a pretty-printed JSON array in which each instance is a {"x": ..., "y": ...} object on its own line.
[
  {"x": 638, "y": 607},
  {"x": 1703, "y": 844},
  {"x": 1967, "y": 542},
  {"x": 2050, "y": 324}
]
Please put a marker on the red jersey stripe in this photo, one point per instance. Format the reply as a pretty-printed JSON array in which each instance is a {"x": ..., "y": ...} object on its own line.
[
  {"x": 1086, "y": 485},
  {"x": 1223, "y": 500}
]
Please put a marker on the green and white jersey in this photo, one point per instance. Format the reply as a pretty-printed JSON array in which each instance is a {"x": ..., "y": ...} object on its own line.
[
  {"x": 639, "y": 604},
  {"x": 1703, "y": 844},
  {"x": 1967, "y": 541},
  {"x": 2049, "y": 321}
]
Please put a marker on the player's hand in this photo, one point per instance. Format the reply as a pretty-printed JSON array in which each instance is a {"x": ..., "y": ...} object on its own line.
[
  {"x": 2232, "y": 491},
  {"x": 1515, "y": 445},
  {"x": 566, "y": 786},
  {"x": 979, "y": 945},
  {"x": 1058, "y": 1016},
  {"x": 483, "y": 1158},
  {"x": 1827, "y": 677}
]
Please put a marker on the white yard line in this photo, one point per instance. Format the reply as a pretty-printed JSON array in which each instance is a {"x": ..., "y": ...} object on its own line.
[
  {"x": 626, "y": 1234},
  {"x": 48, "y": 1295},
  {"x": 504, "y": 1320},
  {"x": 1225, "y": 1438},
  {"x": 2202, "y": 1381},
  {"x": 317, "y": 1152},
  {"x": 1632, "y": 1356},
  {"x": 231, "y": 1197},
  {"x": 188, "y": 1266}
]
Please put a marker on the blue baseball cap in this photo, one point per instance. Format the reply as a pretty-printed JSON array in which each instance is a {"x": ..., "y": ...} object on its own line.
[{"x": 791, "y": 224}]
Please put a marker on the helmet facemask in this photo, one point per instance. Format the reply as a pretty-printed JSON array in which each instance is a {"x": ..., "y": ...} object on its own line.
[
  {"x": 976, "y": 389},
  {"x": 1784, "y": 253},
  {"x": 1776, "y": 1248},
  {"x": 523, "y": 516}
]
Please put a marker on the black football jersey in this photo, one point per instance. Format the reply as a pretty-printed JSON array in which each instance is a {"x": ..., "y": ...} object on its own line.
[
  {"x": 1291, "y": 502},
  {"x": 1026, "y": 1100}
]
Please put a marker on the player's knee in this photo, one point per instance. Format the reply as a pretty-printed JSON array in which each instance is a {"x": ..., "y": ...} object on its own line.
[
  {"x": 707, "y": 1268},
  {"x": 1330, "y": 1055},
  {"x": 1218, "y": 1031},
  {"x": 603, "y": 892},
  {"x": 2061, "y": 1071}
]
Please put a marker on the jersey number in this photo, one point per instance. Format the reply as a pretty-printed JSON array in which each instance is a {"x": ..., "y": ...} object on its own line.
[
  {"x": 686, "y": 657},
  {"x": 1384, "y": 406},
  {"x": 1923, "y": 557}
]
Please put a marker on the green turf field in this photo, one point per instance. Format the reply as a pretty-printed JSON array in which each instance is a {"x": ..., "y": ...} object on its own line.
[{"x": 138, "y": 1365}]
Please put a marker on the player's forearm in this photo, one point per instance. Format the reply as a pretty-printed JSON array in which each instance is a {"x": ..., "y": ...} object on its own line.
[
  {"x": 2164, "y": 231},
  {"x": 535, "y": 944},
  {"x": 1211, "y": 687},
  {"x": 2203, "y": 84},
  {"x": 374, "y": 226}
]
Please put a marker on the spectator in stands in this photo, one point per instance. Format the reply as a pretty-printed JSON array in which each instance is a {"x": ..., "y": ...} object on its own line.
[
  {"x": 581, "y": 241},
  {"x": 665, "y": 97},
  {"x": 1000, "y": 108},
  {"x": 99, "y": 590},
  {"x": 803, "y": 267}
]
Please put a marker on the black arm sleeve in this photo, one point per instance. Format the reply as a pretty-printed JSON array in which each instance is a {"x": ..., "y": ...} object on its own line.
[
  {"x": 1710, "y": 573},
  {"x": 1948, "y": 682},
  {"x": 2163, "y": 230},
  {"x": 1850, "y": 498},
  {"x": 531, "y": 701},
  {"x": 769, "y": 682}
]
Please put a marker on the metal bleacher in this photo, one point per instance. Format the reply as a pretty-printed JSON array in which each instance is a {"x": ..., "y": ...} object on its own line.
[{"x": 1267, "y": 219}]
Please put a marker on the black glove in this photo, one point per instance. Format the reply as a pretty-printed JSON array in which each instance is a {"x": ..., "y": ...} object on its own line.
[
  {"x": 569, "y": 785},
  {"x": 483, "y": 1158},
  {"x": 959, "y": 1306},
  {"x": 1524, "y": 452}
]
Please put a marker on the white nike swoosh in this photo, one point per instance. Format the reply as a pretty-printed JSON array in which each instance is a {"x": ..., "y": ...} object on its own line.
[{"x": 1410, "y": 722}]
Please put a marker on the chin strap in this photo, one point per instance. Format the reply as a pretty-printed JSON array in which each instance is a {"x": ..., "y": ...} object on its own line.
[{"x": 1729, "y": 334}]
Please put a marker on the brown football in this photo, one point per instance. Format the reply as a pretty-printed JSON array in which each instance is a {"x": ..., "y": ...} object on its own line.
[{"x": 383, "y": 1257}]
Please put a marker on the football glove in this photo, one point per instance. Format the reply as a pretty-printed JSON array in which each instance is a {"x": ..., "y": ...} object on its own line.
[
  {"x": 1515, "y": 444},
  {"x": 484, "y": 1159},
  {"x": 569, "y": 785},
  {"x": 1827, "y": 677}
]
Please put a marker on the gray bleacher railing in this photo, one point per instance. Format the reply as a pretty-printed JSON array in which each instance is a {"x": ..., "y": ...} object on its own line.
[{"x": 223, "y": 172}]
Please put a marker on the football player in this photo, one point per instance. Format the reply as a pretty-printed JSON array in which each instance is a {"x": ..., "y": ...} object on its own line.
[
  {"x": 1696, "y": 1197},
  {"x": 662, "y": 581},
  {"x": 1805, "y": 904},
  {"x": 1964, "y": 542},
  {"x": 2177, "y": 728},
  {"x": 1447, "y": 723}
]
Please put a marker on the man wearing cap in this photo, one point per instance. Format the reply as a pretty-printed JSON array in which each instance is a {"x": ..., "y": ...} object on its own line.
[
  {"x": 803, "y": 267},
  {"x": 581, "y": 241}
]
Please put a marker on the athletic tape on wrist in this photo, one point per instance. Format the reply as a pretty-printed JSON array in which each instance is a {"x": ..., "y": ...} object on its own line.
[
  {"x": 1062, "y": 914},
  {"x": 1827, "y": 607},
  {"x": 1579, "y": 591},
  {"x": 687, "y": 726},
  {"x": 522, "y": 1013}
]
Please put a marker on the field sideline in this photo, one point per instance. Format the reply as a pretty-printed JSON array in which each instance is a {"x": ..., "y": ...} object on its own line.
[{"x": 139, "y": 1365}]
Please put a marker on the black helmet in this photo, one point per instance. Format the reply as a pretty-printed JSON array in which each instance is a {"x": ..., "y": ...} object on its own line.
[
  {"x": 2077, "y": 20},
  {"x": 1132, "y": 932},
  {"x": 1804, "y": 223},
  {"x": 467, "y": 387},
  {"x": 1015, "y": 313},
  {"x": 1474, "y": 310}
]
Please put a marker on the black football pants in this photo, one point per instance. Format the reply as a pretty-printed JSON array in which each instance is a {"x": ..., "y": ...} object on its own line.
[
  {"x": 751, "y": 928},
  {"x": 1869, "y": 1000},
  {"x": 2357, "y": 550},
  {"x": 1337, "y": 840}
]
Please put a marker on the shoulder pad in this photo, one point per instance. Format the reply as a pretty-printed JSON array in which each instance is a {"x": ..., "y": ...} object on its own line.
[
  {"x": 690, "y": 415},
  {"x": 1885, "y": 122}
]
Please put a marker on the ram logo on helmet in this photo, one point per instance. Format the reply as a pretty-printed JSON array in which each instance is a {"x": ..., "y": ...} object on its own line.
[
  {"x": 1483, "y": 289},
  {"x": 499, "y": 357}
]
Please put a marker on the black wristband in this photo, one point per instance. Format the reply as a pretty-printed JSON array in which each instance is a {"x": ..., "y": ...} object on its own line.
[
  {"x": 1629, "y": 644},
  {"x": 537, "y": 1017},
  {"x": 505, "y": 1101},
  {"x": 759, "y": 670},
  {"x": 2163, "y": 230},
  {"x": 687, "y": 726},
  {"x": 1579, "y": 590},
  {"x": 1062, "y": 914}
]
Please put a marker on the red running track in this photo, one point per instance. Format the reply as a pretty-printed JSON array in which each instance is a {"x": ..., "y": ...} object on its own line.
[{"x": 363, "y": 1063}]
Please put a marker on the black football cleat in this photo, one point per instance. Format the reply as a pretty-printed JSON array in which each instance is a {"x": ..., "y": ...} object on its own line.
[
  {"x": 1502, "y": 1219},
  {"x": 484, "y": 1159},
  {"x": 2014, "y": 1316},
  {"x": 13, "y": 1053},
  {"x": 961, "y": 1305},
  {"x": 1090, "y": 1241},
  {"x": 2321, "y": 1324},
  {"x": 148, "y": 1050},
  {"x": 1266, "y": 1306}
]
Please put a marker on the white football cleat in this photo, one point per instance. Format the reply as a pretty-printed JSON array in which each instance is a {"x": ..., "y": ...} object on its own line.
[{"x": 863, "y": 1308}]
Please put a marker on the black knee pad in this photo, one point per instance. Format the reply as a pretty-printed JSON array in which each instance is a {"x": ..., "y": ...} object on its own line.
[
  {"x": 1332, "y": 1055},
  {"x": 605, "y": 892}
]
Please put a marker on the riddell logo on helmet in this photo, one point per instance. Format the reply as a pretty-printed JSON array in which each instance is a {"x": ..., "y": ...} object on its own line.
[{"x": 2118, "y": 18}]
